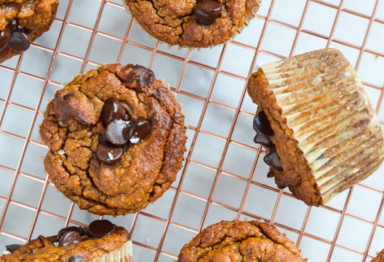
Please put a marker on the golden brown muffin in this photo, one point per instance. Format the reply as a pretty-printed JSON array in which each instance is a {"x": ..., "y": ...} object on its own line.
[
  {"x": 21, "y": 22},
  {"x": 116, "y": 137},
  {"x": 101, "y": 241},
  {"x": 240, "y": 241},
  {"x": 324, "y": 135},
  {"x": 193, "y": 23},
  {"x": 379, "y": 257}
]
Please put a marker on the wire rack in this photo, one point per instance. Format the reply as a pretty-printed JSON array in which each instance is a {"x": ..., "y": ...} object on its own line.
[{"x": 223, "y": 177}]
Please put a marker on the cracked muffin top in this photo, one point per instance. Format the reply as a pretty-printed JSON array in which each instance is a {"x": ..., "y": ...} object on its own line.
[
  {"x": 116, "y": 137},
  {"x": 240, "y": 241},
  {"x": 21, "y": 22},
  {"x": 193, "y": 23},
  {"x": 100, "y": 241}
]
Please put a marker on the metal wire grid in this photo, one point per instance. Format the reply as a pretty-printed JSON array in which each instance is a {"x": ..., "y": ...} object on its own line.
[{"x": 172, "y": 228}]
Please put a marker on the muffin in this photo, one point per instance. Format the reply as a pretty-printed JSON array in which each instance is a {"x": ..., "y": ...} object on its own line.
[
  {"x": 21, "y": 22},
  {"x": 379, "y": 257},
  {"x": 101, "y": 241},
  {"x": 240, "y": 241},
  {"x": 116, "y": 139},
  {"x": 193, "y": 23},
  {"x": 315, "y": 119}
]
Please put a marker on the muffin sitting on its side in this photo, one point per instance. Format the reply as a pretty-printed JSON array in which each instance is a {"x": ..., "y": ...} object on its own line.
[
  {"x": 116, "y": 137},
  {"x": 318, "y": 125},
  {"x": 21, "y": 22}
]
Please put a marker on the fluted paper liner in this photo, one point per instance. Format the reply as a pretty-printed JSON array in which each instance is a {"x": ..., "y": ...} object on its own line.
[
  {"x": 123, "y": 254},
  {"x": 325, "y": 105}
]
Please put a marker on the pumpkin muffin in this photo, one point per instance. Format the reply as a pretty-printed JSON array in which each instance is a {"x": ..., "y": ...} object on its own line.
[
  {"x": 240, "y": 241},
  {"x": 116, "y": 137},
  {"x": 101, "y": 241},
  {"x": 192, "y": 23},
  {"x": 317, "y": 123},
  {"x": 21, "y": 22}
]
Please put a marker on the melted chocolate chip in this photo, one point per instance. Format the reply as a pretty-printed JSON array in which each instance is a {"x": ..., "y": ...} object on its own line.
[
  {"x": 19, "y": 41},
  {"x": 138, "y": 131},
  {"x": 112, "y": 110},
  {"x": 207, "y": 12},
  {"x": 100, "y": 228},
  {"x": 261, "y": 124},
  {"x": 108, "y": 153},
  {"x": 5, "y": 35},
  {"x": 67, "y": 229},
  {"x": 12, "y": 248},
  {"x": 75, "y": 259},
  {"x": 137, "y": 76},
  {"x": 115, "y": 132},
  {"x": 273, "y": 159},
  {"x": 69, "y": 238},
  {"x": 263, "y": 140}
]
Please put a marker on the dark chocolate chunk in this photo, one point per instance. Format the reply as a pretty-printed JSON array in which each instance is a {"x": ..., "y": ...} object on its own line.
[
  {"x": 270, "y": 174},
  {"x": 207, "y": 12},
  {"x": 261, "y": 124},
  {"x": 108, "y": 153},
  {"x": 67, "y": 229},
  {"x": 138, "y": 131},
  {"x": 115, "y": 132},
  {"x": 100, "y": 228},
  {"x": 112, "y": 110},
  {"x": 69, "y": 238},
  {"x": 5, "y": 35},
  {"x": 273, "y": 159},
  {"x": 12, "y": 248},
  {"x": 19, "y": 41},
  {"x": 75, "y": 259},
  {"x": 263, "y": 140},
  {"x": 137, "y": 76},
  {"x": 13, "y": 25}
]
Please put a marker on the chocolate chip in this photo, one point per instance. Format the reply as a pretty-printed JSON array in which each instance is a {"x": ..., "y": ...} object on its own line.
[
  {"x": 5, "y": 35},
  {"x": 261, "y": 124},
  {"x": 19, "y": 41},
  {"x": 115, "y": 132},
  {"x": 207, "y": 12},
  {"x": 67, "y": 229},
  {"x": 112, "y": 110},
  {"x": 270, "y": 174},
  {"x": 273, "y": 159},
  {"x": 69, "y": 238},
  {"x": 108, "y": 153},
  {"x": 12, "y": 248},
  {"x": 138, "y": 131},
  {"x": 100, "y": 228},
  {"x": 75, "y": 259},
  {"x": 136, "y": 76},
  {"x": 13, "y": 25},
  {"x": 263, "y": 140}
]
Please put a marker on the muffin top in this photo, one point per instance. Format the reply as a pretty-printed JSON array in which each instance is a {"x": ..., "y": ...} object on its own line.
[
  {"x": 193, "y": 23},
  {"x": 72, "y": 244},
  {"x": 116, "y": 137},
  {"x": 21, "y": 22},
  {"x": 240, "y": 241}
]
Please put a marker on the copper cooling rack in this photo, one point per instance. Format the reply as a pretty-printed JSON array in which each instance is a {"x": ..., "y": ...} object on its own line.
[{"x": 223, "y": 177}]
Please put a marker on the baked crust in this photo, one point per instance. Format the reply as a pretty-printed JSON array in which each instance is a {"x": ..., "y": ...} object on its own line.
[
  {"x": 240, "y": 241},
  {"x": 36, "y": 16},
  {"x": 174, "y": 22},
  {"x": 325, "y": 130},
  {"x": 72, "y": 132},
  {"x": 43, "y": 249},
  {"x": 379, "y": 257}
]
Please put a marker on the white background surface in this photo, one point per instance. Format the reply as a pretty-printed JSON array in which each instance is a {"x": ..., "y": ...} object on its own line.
[{"x": 223, "y": 178}]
